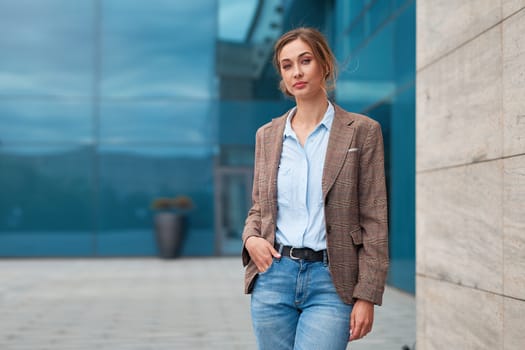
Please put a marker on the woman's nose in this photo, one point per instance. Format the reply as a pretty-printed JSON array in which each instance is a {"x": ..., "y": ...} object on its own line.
[{"x": 297, "y": 72}]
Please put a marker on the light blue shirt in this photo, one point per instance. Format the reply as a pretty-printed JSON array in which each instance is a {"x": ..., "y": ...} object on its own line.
[{"x": 300, "y": 214}]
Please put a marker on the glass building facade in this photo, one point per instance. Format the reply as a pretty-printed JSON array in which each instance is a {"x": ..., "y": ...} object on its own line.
[
  {"x": 107, "y": 105},
  {"x": 375, "y": 43}
]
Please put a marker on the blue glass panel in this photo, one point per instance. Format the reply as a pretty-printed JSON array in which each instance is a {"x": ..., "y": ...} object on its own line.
[
  {"x": 132, "y": 177},
  {"x": 340, "y": 43},
  {"x": 359, "y": 23},
  {"x": 174, "y": 121},
  {"x": 305, "y": 13},
  {"x": 385, "y": 64},
  {"x": 378, "y": 14},
  {"x": 235, "y": 19},
  {"x": 46, "y": 206},
  {"x": 379, "y": 81},
  {"x": 382, "y": 113},
  {"x": 376, "y": 59},
  {"x": 402, "y": 193},
  {"x": 358, "y": 33},
  {"x": 158, "y": 48},
  {"x": 400, "y": 3},
  {"x": 405, "y": 45},
  {"x": 45, "y": 121},
  {"x": 239, "y": 120},
  {"x": 356, "y": 7},
  {"x": 47, "y": 47},
  {"x": 367, "y": 76}
]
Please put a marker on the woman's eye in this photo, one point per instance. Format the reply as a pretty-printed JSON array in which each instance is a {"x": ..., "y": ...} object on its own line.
[
  {"x": 307, "y": 60},
  {"x": 286, "y": 66}
]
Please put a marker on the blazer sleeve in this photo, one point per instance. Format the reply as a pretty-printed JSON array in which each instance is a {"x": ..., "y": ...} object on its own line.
[
  {"x": 373, "y": 217},
  {"x": 252, "y": 225}
]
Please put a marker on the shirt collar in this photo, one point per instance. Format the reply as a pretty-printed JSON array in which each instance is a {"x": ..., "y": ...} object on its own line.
[{"x": 326, "y": 121}]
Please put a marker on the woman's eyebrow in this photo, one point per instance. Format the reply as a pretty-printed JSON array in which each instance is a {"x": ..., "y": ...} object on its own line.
[{"x": 300, "y": 55}]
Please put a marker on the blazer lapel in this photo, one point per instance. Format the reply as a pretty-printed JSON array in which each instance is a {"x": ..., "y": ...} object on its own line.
[
  {"x": 341, "y": 135},
  {"x": 273, "y": 145}
]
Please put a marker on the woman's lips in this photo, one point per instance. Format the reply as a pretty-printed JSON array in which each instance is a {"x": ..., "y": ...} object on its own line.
[{"x": 299, "y": 84}]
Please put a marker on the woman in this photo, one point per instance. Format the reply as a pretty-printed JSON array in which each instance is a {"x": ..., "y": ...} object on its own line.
[{"x": 315, "y": 239}]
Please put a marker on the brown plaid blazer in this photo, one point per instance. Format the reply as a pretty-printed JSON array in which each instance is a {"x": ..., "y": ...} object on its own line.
[{"x": 355, "y": 203}]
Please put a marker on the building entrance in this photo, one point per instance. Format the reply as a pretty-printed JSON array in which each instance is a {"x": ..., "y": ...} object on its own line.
[{"x": 232, "y": 202}]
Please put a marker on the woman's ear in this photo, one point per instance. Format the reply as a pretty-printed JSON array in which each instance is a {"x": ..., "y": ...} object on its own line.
[{"x": 326, "y": 71}]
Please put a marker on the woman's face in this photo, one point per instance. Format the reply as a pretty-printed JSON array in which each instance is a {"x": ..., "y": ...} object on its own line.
[{"x": 301, "y": 72}]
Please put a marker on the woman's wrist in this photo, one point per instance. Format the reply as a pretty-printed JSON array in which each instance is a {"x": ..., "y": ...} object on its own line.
[{"x": 248, "y": 240}]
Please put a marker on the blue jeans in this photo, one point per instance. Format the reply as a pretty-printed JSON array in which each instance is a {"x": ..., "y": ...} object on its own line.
[{"x": 294, "y": 305}]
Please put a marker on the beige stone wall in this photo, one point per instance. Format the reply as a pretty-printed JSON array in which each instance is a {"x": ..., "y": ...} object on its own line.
[{"x": 470, "y": 174}]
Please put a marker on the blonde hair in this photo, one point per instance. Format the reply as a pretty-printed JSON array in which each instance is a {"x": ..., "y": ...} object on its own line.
[{"x": 320, "y": 49}]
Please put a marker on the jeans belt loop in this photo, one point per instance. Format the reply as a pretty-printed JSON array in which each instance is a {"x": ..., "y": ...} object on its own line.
[{"x": 280, "y": 250}]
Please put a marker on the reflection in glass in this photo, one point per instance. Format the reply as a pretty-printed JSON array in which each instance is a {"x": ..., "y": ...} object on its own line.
[
  {"x": 235, "y": 19},
  {"x": 239, "y": 120},
  {"x": 47, "y": 121},
  {"x": 158, "y": 48},
  {"x": 47, "y": 48},
  {"x": 179, "y": 121},
  {"x": 46, "y": 205},
  {"x": 234, "y": 201},
  {"x": 380, "y": 83},
  {"x": 130, "y": 181},
  {"x": 402, "y": 194}
]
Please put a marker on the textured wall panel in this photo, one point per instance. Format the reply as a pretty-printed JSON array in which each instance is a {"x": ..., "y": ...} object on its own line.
[
  {"x": 460, "y": 225},
  {"x": 511, "y": 6},
  {"x": 514, "y": 84},
  {"x": 514, "y": 226},
  {"x": 457, "y": 317},
  {"x": 459, "y": 106},
  {"x": 513, "y": 326},
  {"x": 442, "y": 26}
]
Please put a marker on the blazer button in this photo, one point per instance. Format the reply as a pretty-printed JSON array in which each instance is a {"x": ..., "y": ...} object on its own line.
[{"x": 328, "y": 229}]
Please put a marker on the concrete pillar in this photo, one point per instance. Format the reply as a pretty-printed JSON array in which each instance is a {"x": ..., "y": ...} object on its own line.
[{"x": 470, "y": 174}]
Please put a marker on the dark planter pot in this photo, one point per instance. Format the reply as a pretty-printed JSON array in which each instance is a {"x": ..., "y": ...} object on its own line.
[{"x": 169, "y": 231}]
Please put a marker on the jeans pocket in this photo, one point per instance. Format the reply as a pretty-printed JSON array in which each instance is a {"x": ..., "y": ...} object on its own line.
[{"x": 265, "y": 272}]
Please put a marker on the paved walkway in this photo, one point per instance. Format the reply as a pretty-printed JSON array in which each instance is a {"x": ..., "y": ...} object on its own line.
[{"x": 133, "y": 304}]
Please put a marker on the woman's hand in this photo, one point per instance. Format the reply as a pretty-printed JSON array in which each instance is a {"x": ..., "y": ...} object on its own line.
[
  {"x": 261, "y": 252},
  {"x": 361, "y": 319}
]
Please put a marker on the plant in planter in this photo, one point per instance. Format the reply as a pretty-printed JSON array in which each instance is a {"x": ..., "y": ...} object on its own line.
[{"x": 170, "y": 222}]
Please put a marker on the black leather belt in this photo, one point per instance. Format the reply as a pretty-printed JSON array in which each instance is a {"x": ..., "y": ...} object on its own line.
[{"x": 306, "y": 254}]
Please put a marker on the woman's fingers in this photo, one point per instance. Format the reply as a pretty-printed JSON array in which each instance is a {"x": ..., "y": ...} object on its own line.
[{"x": 261, "y": 252}]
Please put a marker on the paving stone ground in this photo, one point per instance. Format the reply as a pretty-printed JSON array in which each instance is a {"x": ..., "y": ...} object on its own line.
[{"x": 149, "y": 304}]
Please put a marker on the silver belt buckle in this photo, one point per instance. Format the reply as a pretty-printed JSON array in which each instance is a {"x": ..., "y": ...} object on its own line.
[{"x": 291, "y": 254}]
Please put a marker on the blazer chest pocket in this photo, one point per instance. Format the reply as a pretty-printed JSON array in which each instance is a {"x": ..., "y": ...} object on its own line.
[
  {"x": 357, "y": 236},
  {"x": 351, "y": 164},
  {"x": 353, "y": 154}
]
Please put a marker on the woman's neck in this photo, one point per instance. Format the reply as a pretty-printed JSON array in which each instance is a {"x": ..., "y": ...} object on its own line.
[{"x": 310, "y": 111}]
